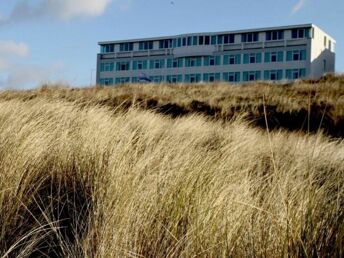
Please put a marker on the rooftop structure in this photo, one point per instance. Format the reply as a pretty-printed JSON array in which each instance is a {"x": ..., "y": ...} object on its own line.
[{"x": 274, "y": 54}]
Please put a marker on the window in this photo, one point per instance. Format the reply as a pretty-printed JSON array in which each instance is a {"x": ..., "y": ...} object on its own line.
[
  {"x": 192, "y": 78},
  {"x": 212, "y": 61},
  {"x": 252, "y": 58},
  {"x": 106, "y": 67},
  {"x": 273, "y": 75},
  {"x": 157, "y": 79},
  {"x": 300, "y": 33},
  {"x": 174, "y": 63},
  {"x": 194, "y": 40},
  {"x": 157, "y": 64},
  {"x": 219, "y": 39},
  {"x": 122, "y": 66},
  {"x": 232, "y": 59},
  {"x": 251, "y": 76},
  {"x": 193, "y": 61},
  {"x": 293, "y": 74},
  {"x": 296, "y": 55},
  {"x": 231, "y": 77},
  {"x": 140, "y": 65},
  {"x": 325, "y": 41},
  {"x": 106, "y": 81},
  {"x": 249, "y": 37},
  {"x": 200, "y": 40},
  {"x": 211, "y": 77},
  {"x": 165, "y": 43},
  {"x": 228, "y": 38},
  {"x": 108, "y": 48},
  {"x": 274, "y": 57},
  {"x": 184, "y": 42},
  {"x": 274, "y": 35},
  {"x": 122, "y": 80},
  {"x": 124, "y": 47},
  {"x": 330, "y": 45},
  {"x": 145, "y": 45},
  {"x": 174, "y": 78},
  {"x": 206, "y": 40},
  {"x": 213, "y": 40}
]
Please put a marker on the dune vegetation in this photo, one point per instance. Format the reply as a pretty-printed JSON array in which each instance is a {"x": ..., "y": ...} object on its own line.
[{"x": 105, "y": 172}]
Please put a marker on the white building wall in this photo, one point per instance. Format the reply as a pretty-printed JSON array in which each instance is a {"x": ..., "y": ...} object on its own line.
[
  {"x": 322, "y": 54},
  {"x": 314, "y": 63}
]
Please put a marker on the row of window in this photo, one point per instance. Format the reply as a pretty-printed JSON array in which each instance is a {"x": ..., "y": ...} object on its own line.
[
  {"x": 248, "y": 58},
  {"x": 273, "y": 75},
  {"x": 222, "y": 39}
]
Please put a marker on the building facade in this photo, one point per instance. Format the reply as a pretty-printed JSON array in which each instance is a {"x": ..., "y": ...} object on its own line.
[{"x": 273, "y": 54}]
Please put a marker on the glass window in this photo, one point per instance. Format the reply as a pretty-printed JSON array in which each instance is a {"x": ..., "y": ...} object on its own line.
[
  {"x": 300, "y": 33},
  {"x": 125, "y": 47},
  {"x": 249, "y": 37},
  {"x": 165, "y": 43},
  {"x": 275, "y": 35},
  {"x": 145, "y": 45},
  {"x": 194, "y": 40},
  {"x": 200, "y": 40},
  {"x": 219, "y": 39},
  {"x": 228, "y": 38},
  {"x": 189, "y": 41},
  {"x": 108, "y": 48},
  {"x": 206, "y": 40},
  {"x": 106, "y": 81},
  {"x": 122, "y": 66},
  {"x": 213, "y": 40},
  {"x": 184, "y": 42}
]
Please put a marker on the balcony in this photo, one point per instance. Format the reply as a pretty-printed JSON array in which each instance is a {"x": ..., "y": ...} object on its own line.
[
  {"x": 232, "y": 47},
  {"x": 252, "y": 45},
  {"x": 296, "y": 42},
  {"x": 274, "y": 43},
  {"x": 140, "y": 53}
]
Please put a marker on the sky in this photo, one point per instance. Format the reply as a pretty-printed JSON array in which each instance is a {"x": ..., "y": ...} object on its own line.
[{"x": 55, "y": 41}]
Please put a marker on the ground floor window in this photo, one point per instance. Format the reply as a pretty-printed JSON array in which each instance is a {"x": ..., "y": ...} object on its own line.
[
  {"x": 251, "y": 76},
  {"x": 293, "y": 74},
  {"x": 120, "y": 80},
  {"x": 273, "y": 75},
  {"x": 192, "y": 78},
  {"x": 106, "y": 81}
]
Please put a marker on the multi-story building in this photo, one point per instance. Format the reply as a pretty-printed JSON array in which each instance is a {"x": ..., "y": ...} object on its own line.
[{"x": 278, "y": 53}]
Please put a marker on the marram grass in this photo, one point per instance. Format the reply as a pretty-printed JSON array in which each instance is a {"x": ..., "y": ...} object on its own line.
[{"x": 84, "y": 181}]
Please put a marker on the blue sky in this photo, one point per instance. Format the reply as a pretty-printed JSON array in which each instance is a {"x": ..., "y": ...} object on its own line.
[{"x": 56, "y": 40}]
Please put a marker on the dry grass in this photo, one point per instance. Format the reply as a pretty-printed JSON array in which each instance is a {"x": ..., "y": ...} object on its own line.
[
  {"x": 85, "y": 181},
  {"x": 303, "y": 106}
]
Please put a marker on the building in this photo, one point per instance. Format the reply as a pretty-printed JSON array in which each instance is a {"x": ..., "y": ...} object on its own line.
[{"x": 277, "y": 53}]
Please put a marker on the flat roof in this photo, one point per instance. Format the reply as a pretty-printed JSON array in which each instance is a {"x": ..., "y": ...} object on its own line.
[{"x": 210, "y": 33}]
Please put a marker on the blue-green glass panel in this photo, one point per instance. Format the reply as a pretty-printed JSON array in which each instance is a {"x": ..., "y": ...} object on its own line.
[
  {"x": 246, "y": 58},
  {"x": 245, "y": 76},
  {"x": 206, "y": 61},
  {"x": 302, "y": 72},
  {"x": 289, "y": 55},
  {"x": 266, "y": 75},
  {"x": 258, "y": 75},
  {"x": 258, "y": 57},
  {"x": 225, "y": 59},
  {"x": 303, "y": 54},
  {"x": 237, "y": 59},
  {"x": 267, "y": 57},
  {"x": 280, "y": 55},
  {"x": 279, "y": 74}
]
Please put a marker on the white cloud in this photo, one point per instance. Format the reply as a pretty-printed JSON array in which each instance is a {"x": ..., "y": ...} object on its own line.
[
  {"x": 61, "y": 9},
  {"x": 16, "y": 74},
  {"x": 10, "y": 49},
  {"x": 299, "y": 5}
]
